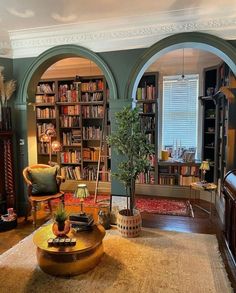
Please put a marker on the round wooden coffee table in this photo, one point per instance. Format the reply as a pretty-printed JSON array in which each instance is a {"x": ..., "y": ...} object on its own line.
[{"x": 69, "y": 260}]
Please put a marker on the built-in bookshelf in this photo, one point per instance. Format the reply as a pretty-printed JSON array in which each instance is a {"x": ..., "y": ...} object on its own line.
[
  {"x": 77, "y": 111},
  {"x": 178, "y": 173},
  {"x": 219, "y": 122},
  {"x": 147, "y": 102}
]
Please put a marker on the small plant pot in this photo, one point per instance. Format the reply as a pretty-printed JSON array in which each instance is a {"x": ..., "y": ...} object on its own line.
[
  {"x": 129, "y": 226},
  {"x": 61, "y": 228}
]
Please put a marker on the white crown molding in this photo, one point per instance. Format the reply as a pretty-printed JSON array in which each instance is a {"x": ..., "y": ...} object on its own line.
[{"x": 119, "y": 34}]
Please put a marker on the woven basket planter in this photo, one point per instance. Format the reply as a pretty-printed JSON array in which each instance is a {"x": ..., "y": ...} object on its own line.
[{"x": 129, "y": 226}]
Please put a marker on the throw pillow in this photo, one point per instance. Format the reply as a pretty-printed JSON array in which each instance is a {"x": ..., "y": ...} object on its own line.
[{"x": 43, "y": 180}]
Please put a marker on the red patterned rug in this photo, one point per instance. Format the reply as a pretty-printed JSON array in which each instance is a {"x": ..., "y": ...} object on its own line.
[
  {"x": 144, "y": 204},
  {"x": 165, "y": 206}
]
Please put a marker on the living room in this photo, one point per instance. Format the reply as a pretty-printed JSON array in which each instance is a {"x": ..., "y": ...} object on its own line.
[{"x": 123, "y": 69}]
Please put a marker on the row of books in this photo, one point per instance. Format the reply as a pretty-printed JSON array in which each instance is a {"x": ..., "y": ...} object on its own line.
[
  {"x": 69, "y": 96},
  {"x": 71, "y": 173},
  {"x": 146, "y": 108},
  {"x": 65, "y": 87},
  {"x": 189, "y": 170},
  {"x": 92, "y": 132},
  {"x": 69, "y": 121},
  {"x": 147, "y": 122},
  {"x": 90, "y": 173},
  {"x": 70, "y": 157},
  {"x": 146, "y": 93},
  {"x": 72, "y": 137},
  {"x": 168, "y": 180},
  {"x": 147, "y": 177},
  {"x": 92, "y": 86},
  {"x": 92, "y": 111},
  {"x": 49, "y": 99},
  {"x": 45, "y": 88},
  {"x": 91, "y": 97},
  {"x": 91, "y": 154},
  {"x": 70, "y": 110},
  {"x": 45, "y": 113}
]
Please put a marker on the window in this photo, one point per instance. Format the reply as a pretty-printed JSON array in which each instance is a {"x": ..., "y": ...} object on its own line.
[{"x": 180, "y": 111}]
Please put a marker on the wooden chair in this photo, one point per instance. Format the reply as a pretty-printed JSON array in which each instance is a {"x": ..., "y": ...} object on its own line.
[{"x": 36, "y": 197}]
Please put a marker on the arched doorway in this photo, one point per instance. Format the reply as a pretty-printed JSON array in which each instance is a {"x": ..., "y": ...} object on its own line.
[
  {"x": 46, "y": 59},
  {"x": 206, "y": 42},
  {"x": 31, "y": 79}
]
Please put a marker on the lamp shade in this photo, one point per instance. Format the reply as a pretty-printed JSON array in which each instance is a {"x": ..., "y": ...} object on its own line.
[
  {"x": 81, "y": 191},
  {"x": 56, "y": 146},
  {"x": 205, "y": 166},
  {"x": 44, "y": 137}
]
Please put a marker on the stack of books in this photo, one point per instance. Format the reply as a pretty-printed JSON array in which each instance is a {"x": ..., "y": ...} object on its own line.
[{"x": 81, "y": 222}]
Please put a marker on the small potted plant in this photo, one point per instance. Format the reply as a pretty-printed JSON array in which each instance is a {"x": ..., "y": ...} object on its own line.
[
  {"x": 61, "y": 224},
  {"x": 130, "y": 141}
]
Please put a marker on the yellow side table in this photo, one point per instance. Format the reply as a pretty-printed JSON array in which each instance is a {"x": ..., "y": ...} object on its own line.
[{"x": 198, "y": 186}]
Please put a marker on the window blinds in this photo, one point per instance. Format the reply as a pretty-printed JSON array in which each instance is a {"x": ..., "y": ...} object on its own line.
[{"x": 180, "y": 111}]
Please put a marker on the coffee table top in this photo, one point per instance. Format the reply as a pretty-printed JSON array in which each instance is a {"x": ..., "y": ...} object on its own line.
[{"x": 85, "y": 240}]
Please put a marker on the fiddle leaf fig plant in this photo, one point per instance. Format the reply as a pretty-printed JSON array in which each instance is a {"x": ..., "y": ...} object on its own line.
[{"x": 130, "y": 141}]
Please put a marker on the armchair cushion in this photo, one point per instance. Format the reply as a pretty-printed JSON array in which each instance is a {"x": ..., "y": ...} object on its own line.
[{"x": 43, "y": 180}]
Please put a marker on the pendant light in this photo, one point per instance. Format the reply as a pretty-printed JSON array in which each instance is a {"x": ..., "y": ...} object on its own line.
[{"x": 183, "y": 75}]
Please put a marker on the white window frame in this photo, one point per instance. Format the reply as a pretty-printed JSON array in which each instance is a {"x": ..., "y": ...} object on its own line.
[{"x": 177, "y": 78}]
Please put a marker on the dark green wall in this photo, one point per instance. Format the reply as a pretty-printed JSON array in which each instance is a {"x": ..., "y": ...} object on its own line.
[
  {"x": 8, "y": 68},
  {"x": 121, "y": 63},
  {"x": 20, "y": 130}
]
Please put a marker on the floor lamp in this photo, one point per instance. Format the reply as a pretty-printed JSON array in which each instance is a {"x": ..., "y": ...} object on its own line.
[{"x": 54, "y": 146}]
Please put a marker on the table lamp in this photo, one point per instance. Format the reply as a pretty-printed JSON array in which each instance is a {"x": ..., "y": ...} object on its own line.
[
  {"x": 81, "y": 192},
  {"x": 204, "y": 167}
]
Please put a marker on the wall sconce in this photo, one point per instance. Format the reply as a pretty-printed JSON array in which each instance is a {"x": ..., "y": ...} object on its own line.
[
  {"x": 204, "y": 167},
  {"x": 54, "y": 146}
]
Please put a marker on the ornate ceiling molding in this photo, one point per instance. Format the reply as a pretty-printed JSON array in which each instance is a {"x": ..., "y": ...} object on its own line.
[{"x": 112, "y": 35}]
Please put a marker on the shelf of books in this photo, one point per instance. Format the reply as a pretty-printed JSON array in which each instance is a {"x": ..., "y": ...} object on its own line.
[
  {"x": 178, "y": 173},
  {"x": 76, "y": 111},
  {"x": 146, "y": 101},
  {"x": 69, "y": 128},
  {"x": 45, "y": 109},
  {"x": 94, "y": 110}
]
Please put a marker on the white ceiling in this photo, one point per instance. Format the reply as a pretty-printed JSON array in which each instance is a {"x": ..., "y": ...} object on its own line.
[{"x": 29, "y": 27}]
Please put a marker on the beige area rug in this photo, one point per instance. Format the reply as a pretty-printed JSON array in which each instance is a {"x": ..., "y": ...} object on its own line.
[{"x": 158, "y": 261}]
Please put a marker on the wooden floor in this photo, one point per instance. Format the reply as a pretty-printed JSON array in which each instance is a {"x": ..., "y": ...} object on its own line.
[{"x": 201, "y": 223}]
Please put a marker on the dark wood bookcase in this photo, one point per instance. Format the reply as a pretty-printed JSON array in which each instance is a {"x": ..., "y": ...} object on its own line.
[
  {"x": 219, "y": 123},
  {"x": 147, "y": 102},
  {"x": 76, "y": 110}
]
